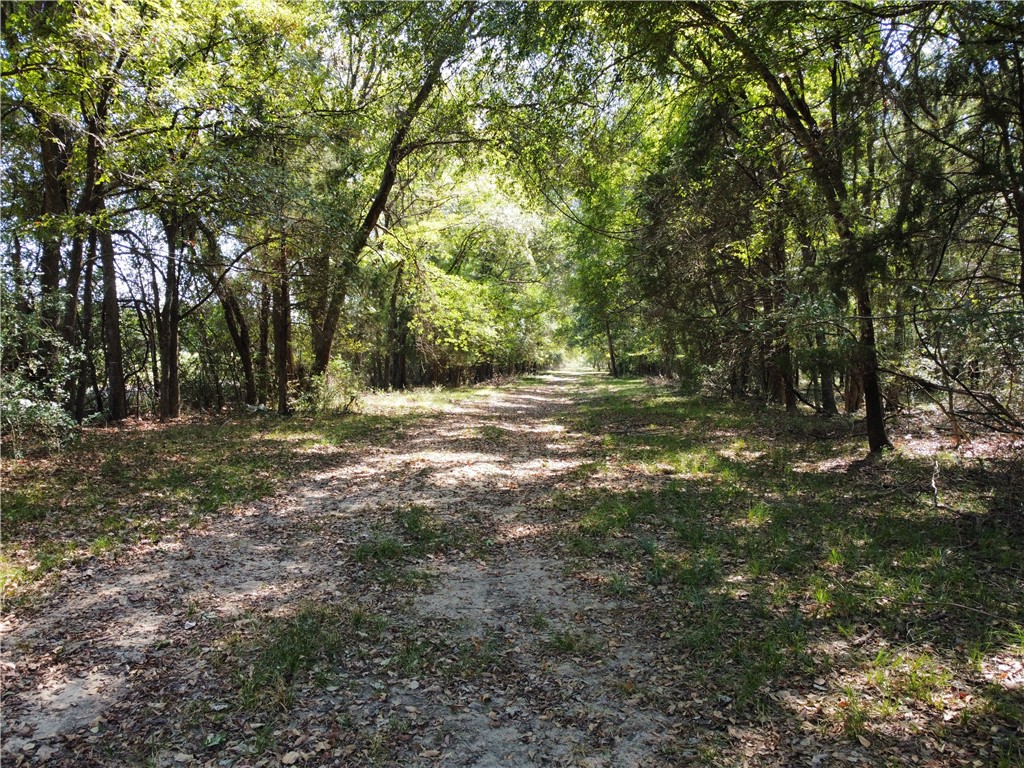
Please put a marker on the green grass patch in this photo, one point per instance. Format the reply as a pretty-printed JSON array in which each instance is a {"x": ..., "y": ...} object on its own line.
[
  {"x": 789, "y": 558},
  {"x": 380, "y": 549},
  {"x": 417, "y": 532},
  {"x": 307, "y": 643},
  {"x": 425, "y": 533},
  {"x": 571, "y": 643}
]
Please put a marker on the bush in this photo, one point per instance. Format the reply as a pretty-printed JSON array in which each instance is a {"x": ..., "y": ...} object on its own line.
[
  {"x": 30, "y": 419},
  {"x": 336, "y": 390},
  {"x": 36, "y": 366}
]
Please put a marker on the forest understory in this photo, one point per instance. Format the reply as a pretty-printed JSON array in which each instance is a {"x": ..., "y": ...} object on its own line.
[{"x": 567, "y": 570}]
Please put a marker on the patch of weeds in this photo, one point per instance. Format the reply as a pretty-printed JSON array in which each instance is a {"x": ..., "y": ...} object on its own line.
[
  {"x": 587, "y": 470},
  {"x": 608, "y": 517},
  {"x": 412, "y": 657},
  {"x": 847, "y": 603},
  {"x": 538, "y": 621},
  {"x": 49, "y": 557},
  {"x": 853, "y": 713},
  {"x": 477, "y": 655},
  {"x": 918, "y": 677},
  {"x": 684, "y": 570},
  {"x": 617, "y": 585},
  {"x": 416, "y": 523},
  {"x": 657, "y": 571},
  {"x": 313, "y": 637},
  {"x": 703, "y": 629},
  {"x": 648, "y": 545},
  {"x": 491, "y": 432},
  {"x": 1015, "y": 638},
  {"x": 574, "y": 644},
  {"x": 416, "y": 579},
  {"x": 1010, "y": 754},
  {"x": 367, "y": 625},
  {"x": 976, "y": 655},
  {"x": 759, "y": 514},
  {"x": 758, "y": 567},
  {"x": 22, "y": 506},
  {"x": 697, "y": 463},
  {"x": 423, "y": 532},
  {"x": 381, "y": 549},
  {"x": 821, "y": 593},
  {"x": 583, "y": 546},
  {"x": 103, "y": 544}
]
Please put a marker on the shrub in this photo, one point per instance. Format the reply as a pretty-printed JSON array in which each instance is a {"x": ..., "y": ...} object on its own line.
[{"x": 337, "y": 389}]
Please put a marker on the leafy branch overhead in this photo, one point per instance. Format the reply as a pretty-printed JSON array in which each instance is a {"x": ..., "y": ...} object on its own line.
[{"x": 221, "y": 203}]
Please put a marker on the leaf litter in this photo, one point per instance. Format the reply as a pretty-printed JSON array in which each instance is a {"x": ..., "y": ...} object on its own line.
[{"x": 418, "y": 604}]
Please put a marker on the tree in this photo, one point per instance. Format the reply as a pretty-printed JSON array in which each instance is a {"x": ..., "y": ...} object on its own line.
[{"x": 436, "y": 36}]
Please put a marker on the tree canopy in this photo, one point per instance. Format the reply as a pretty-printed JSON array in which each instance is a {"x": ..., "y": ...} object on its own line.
[{"x": 212, "y": 204}]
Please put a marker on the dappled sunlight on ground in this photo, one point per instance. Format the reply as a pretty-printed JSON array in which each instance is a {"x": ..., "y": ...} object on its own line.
[
  {"x": 572, "y": 571},
  {"x": 519, "y": 531},
  {"x": 1005, "y": 670}
]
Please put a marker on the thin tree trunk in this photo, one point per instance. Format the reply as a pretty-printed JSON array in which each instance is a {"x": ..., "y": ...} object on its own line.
[
  {"x": 611, "y": 350},
  {"x": 396, "y": 337},
  {"x": 170, "y": 392},
  {"x": 263, "y": 355},
  {"x": 86, "y": 333},
  {"x": 148, "y": 325},
  {"x": 234, "y": 317},
  {"x": 21, "y": 301},
  {"x": 118, "y": 400},
  {"x": 238, "y": 328},
  {"x": 282, "y": 332},
  {"x": 826, "y": 374}
]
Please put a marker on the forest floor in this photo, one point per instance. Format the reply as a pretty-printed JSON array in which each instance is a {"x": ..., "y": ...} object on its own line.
[{"x": 564, "y": 571}]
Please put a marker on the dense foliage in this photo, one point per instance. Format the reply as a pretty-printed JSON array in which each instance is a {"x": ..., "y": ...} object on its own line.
[{"x": 221, "y": 203}]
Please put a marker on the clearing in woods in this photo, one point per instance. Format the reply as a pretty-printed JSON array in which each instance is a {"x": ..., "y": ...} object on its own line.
[{"x": 568, "y": 570}]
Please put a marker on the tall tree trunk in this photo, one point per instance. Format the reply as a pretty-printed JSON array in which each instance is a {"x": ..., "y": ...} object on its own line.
[
  {"x": 612, "y": 364},
  {"x": 118, "y": 400},
  {"x": 73, "y": 284},
  {"x": 148, "y": 325},
  {"x": 780, "y": 357},
  {"x": 54, "y": 154},
  {"x": 238, "y": 328},
  {"x": 72, "y": 327},
  {"x": 282, "y": 332},
  {"x": 86, "y": 333},
  {"x": 21, "y": 300},
  {"x": 825, "y": 369},
  {"x": 170, "y": 387},
  {"x": 263, "y": 354},
  {"x": 396, "y": 337},
  {"x": 867, "y": 355},
  {"x": 827, "y": 374}
]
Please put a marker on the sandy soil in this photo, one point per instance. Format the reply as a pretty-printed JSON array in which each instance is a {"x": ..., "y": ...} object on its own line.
[{"x": 119, "y": 664}]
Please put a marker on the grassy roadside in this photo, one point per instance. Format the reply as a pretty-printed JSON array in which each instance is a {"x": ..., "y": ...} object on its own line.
[{"x": 876, "y": 600}]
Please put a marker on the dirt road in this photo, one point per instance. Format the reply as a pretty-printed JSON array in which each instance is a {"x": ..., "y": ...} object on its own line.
[{"x": 431, "y": 566}]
